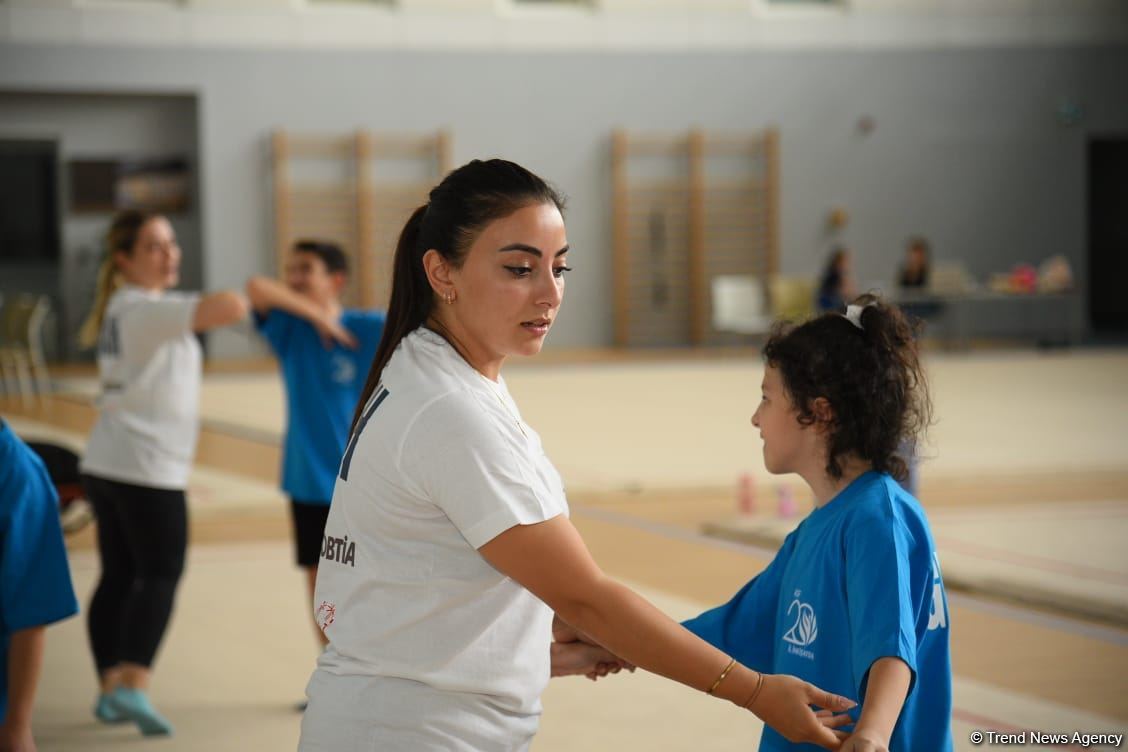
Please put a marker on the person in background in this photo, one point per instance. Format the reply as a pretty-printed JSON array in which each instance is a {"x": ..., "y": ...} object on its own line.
[
  {"x": 140, "y": 451},
  {"x": 914, "y": 272},
  {"x": 836, "y": 284},
  {"x": 323, "y": 351},
  {"x": 35, "y": 583}
]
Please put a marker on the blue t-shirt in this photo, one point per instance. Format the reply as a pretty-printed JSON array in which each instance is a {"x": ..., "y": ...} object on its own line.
[
  {"x": 35, "y": 581},
  {"x": 322, "y": 389},
  {"x": 858, "y": 580}
]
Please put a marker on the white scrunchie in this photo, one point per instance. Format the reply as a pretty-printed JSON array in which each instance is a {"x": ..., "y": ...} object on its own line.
[{"x": 854, "y": 314}]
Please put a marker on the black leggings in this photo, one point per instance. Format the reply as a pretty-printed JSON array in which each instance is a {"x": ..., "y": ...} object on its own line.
[{"x": 142, "y": 538}]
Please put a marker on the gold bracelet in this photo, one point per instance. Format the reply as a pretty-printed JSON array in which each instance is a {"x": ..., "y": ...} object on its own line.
[
  {"x": 756, "y": 692},
  {"x": 721, "y": 678}
]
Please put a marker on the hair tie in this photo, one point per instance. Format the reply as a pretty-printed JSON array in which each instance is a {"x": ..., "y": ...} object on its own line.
[{"x": 854, "y": 314}]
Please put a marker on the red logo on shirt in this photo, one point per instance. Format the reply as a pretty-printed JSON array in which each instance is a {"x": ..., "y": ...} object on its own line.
[{"x": 326, "y": 613}]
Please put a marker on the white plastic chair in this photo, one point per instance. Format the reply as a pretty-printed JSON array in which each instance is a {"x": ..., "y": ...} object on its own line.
[{"x": 739, "y": 305}]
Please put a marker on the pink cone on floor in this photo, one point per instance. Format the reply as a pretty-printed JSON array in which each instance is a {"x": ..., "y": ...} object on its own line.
[
  {"x": 787, "y": 507},
  {"x": 746, "y": 494}
]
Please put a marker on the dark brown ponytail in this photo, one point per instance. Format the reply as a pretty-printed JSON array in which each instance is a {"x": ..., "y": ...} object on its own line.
[{"x": 409, "y": 307}]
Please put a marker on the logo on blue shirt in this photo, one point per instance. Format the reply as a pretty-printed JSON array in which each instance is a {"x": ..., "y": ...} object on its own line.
[
  {"x": 344, "y": 369},
  {"x": 804, "y": 630}
]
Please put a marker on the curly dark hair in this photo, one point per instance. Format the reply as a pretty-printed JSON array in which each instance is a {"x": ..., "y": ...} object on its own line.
[{"x": 872, "y": 378}]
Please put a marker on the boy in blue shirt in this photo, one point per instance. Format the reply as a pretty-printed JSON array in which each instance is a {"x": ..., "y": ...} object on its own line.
[
  {"x": 324, "y": 351},
  {"x": 35, "y": 582},
  {"x": 854, "y": 601}
]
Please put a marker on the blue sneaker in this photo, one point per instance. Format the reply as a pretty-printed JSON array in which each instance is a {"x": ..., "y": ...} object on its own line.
[
  {"x": 134, "y": 705},
  {"x": 105, "y": 712}
]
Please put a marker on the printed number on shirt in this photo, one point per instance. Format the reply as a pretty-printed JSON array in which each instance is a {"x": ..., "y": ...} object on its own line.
[{"x": 374, "y": 402}]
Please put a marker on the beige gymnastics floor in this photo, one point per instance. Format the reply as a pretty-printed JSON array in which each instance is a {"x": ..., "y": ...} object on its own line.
[{"x": 685, "y": 424}]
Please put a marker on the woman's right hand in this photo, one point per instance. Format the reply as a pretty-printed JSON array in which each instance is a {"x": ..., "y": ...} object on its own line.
[{"x": 784, "y": 704}]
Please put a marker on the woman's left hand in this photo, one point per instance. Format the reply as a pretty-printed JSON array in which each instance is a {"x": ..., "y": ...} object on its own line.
[{"x": 784, "y": 703}]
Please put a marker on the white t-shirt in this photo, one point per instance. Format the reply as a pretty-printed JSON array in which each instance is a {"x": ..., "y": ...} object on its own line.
[
  {"x": 149, "y": 361},
  {"x": 439, "y": 466}
]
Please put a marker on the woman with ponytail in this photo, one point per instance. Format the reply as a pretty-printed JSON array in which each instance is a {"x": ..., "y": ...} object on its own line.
[
  {"x": 140, "y": 451},
  {"x": 448, "y": 546},
  {"x": 854, "y": 600}
]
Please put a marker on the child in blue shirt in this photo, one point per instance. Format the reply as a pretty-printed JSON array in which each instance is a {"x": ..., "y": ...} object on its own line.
[
  {"x": 854, "y": 601},
  {"x": 35, "y": 582},
  {"x": 323, "y": 352}
]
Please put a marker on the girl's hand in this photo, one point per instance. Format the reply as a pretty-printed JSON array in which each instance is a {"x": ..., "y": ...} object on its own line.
[
  {"x": 863, "y": 742},
  {"x": 603, "y": 669},
  {"x": 576, "y": 658}
]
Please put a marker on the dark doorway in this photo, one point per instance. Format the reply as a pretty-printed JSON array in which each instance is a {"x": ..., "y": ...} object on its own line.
[
  {"x": 1108, "y": 235},
  {"x": 29, "y": 205}
]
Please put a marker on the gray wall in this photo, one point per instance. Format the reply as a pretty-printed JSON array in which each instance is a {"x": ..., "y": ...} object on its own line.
[
  {"x": 968, "y": 147},
  {"x": 99, "y": 126}
]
